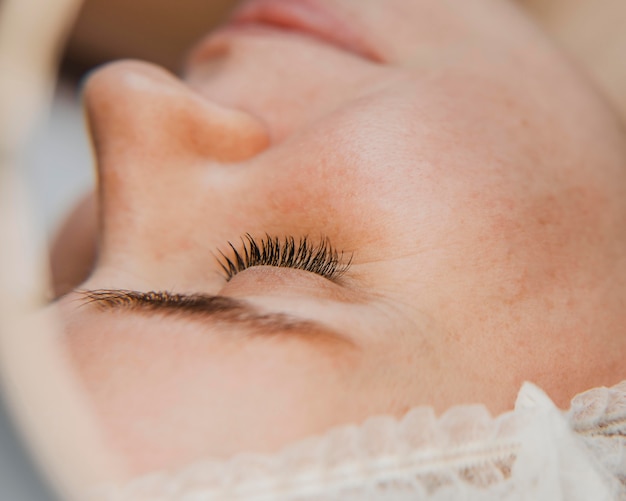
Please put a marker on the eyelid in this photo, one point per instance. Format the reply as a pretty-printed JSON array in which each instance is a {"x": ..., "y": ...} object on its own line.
[
  {"x": 320, "y": 258},
  {"x": 261, "y": 284}
]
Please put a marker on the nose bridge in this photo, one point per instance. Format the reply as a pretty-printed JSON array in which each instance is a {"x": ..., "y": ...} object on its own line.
[{"x": 154, "y": 140}]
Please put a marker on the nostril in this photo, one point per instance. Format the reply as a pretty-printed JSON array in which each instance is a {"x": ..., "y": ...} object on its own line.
[{"x": 138, "y": 109}]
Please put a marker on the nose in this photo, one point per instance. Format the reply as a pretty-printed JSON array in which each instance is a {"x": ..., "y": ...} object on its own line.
[
  {"x": 155, "y": 140},
  {"x": 140, "y": 107}
]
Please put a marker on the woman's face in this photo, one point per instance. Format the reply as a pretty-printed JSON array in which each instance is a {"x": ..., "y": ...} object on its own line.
[{"x": 462, "y": 183}]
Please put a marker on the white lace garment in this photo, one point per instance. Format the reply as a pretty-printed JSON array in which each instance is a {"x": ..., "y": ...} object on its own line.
[{"x": 535, "y": 452}]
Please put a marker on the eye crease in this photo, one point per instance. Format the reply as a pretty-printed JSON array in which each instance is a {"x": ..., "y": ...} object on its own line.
[{"x": 319, "y": 258}]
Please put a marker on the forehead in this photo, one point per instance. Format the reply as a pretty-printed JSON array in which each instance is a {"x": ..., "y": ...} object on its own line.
[{"x": 149, "y": 375}]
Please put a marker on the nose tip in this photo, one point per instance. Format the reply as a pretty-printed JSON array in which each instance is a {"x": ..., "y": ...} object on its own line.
[
  {"x": 137, "y": 107},
  {"x": 157, "y": 144}
]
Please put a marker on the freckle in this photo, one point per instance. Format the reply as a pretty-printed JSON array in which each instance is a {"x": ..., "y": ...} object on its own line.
[{"x": 185, "y": 245}]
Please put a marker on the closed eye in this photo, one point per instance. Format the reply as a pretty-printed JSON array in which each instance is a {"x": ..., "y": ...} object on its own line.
[{"x": 320, "y": 258}]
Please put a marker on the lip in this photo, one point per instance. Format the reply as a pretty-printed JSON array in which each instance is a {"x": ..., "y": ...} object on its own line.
[{"x": 307, "y": 17}]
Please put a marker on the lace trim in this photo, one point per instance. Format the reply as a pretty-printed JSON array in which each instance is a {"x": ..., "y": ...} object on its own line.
[
  {"x": 599, "y": 418},
  {"x": 464, "y": 452}
]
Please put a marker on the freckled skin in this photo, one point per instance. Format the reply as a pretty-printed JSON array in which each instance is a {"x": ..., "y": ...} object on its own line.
[{"x": 475, "y": 178}]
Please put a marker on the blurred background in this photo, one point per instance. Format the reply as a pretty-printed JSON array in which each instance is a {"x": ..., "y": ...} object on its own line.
[
  {"x": 154, "y": 30},
  {"x": 60, "y": 167}
]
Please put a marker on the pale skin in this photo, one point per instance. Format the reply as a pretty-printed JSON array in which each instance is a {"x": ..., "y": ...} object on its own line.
[{"x": 475, "y": 178}]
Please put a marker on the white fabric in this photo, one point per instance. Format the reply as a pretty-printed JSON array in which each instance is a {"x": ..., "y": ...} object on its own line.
[{"x": 535, "y": 452}]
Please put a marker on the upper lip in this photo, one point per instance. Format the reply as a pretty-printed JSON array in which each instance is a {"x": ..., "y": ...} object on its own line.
[{"x": 308, "y": 17}]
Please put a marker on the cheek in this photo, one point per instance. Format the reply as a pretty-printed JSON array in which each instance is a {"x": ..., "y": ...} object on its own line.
[{"x": 347, "y": 178}]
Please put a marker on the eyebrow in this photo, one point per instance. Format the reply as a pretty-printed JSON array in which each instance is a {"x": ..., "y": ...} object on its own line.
[{"x": 197, "y": 306}]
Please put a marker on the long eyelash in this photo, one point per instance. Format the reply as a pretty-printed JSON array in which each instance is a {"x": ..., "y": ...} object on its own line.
[{"x": 320, "y": 258}]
